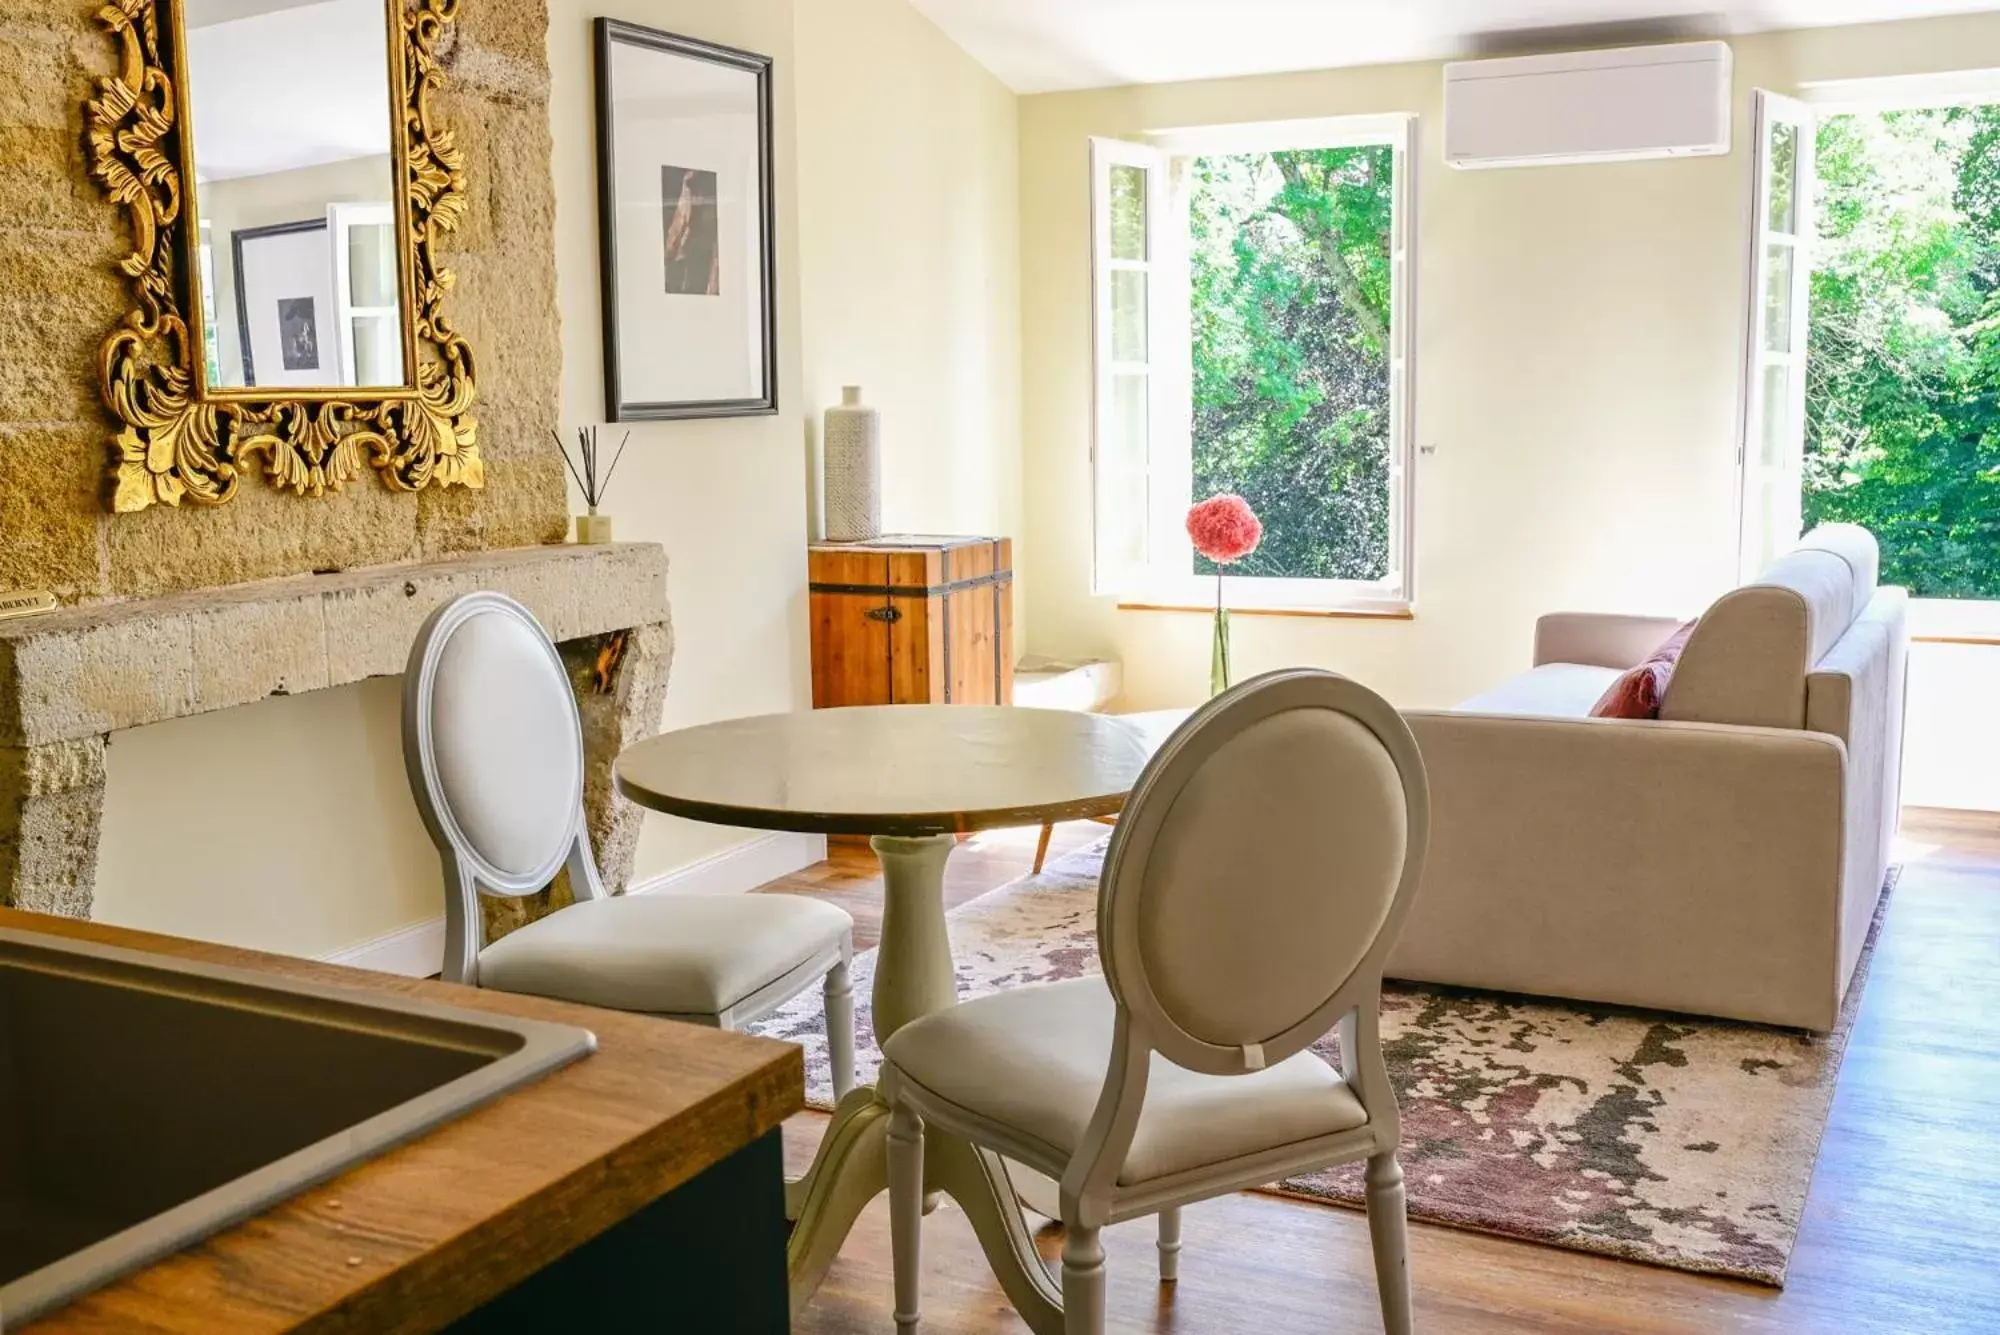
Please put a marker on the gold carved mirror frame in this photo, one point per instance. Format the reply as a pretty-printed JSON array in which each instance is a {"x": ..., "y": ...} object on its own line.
[{"x": 183, "y": 439}]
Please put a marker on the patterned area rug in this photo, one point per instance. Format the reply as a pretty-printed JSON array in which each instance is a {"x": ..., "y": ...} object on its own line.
[{"x": 1681, "y": 1142}]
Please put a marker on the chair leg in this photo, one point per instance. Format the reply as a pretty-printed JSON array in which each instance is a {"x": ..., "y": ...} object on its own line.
[
  {"x": 1042, "y": 849},
  {"x": 840, "y": 1029},
  {"x": 1170, "y": 1245},
  {"x": 1388, "y": 1229},
  {"x": 906, "y": 1211},
  {"x": 1082, "y": 1281}
]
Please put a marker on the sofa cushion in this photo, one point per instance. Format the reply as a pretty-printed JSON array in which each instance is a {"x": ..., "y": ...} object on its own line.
[
  {"x": 1856, "y": 546},
  {"x": 1558, "y": 690},
  {"x": 1747, "y": 661},
  {"x": 1637, "y": 694}
]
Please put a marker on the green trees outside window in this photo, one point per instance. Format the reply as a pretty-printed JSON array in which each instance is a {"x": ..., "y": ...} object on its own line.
[
  {"x": 1903, "y": 366},
  {"x": 1290, "y": 311}
]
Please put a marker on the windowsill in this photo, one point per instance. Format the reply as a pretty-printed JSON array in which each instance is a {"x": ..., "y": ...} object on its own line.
[
  {"x": 1983, "y": 637},
  {"x": 1336, "y": 613},
  {"x": 1954, "y": 621}
]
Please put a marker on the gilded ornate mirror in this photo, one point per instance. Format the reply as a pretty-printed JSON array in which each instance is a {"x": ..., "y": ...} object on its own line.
[{"x": 286, "y": 183}]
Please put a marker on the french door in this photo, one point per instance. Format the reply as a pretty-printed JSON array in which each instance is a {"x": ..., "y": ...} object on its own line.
[{"x": 1771, "y": 447}]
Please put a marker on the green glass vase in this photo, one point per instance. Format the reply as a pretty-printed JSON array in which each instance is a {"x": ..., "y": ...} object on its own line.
[{"x": 1218, "y": 661}]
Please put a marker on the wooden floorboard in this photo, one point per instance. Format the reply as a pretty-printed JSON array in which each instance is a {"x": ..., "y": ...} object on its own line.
[{"x": 1901, "y": 1231}]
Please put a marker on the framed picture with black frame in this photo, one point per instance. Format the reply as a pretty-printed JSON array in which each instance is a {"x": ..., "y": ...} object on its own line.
[
  {"x": 283, "y": 276},
  {"x": 687, "y": 230}
]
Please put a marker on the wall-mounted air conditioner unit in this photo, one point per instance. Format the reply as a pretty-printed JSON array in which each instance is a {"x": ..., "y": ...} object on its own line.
[{"x": 1588, "y": 106}]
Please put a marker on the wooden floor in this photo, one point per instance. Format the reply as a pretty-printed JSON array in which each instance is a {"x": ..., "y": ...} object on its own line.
[{"x": 1901, "y": 1233}]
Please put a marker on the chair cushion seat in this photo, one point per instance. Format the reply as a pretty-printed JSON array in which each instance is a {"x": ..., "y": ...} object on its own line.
[
  {"x": 1033, "y": 1059},
  {"x": 1558, "y": 690},
  {"x": 668, "y": 954}
]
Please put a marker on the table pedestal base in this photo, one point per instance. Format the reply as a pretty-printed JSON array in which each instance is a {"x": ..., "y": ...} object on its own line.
[
  {"x": 852, "y": 1169},
  {"x": 914, "y": 977}
]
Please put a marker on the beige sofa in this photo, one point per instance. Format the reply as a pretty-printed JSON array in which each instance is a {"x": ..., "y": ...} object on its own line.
[{"x": 1723, "y": 860}]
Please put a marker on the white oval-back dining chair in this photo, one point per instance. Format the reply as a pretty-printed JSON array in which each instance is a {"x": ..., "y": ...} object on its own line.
[
  {"x": 1250, "y": 895},
  {"x": 494, "y": 749}
]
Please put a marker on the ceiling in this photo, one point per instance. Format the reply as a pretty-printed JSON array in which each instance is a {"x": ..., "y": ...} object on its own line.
[
  {"x": 1039, "y": 46},
  {"x": 276, "y": 85}
]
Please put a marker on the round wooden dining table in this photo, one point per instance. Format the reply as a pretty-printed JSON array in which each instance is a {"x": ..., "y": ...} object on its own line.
[{"x": 911, "y": 777}]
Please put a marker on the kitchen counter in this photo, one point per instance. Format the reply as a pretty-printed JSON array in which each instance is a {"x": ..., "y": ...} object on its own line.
[{"x": 624, "y": 1167}]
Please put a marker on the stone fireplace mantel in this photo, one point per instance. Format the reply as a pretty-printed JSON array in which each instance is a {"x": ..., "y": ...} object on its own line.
[{"x": 72, "y": 677}]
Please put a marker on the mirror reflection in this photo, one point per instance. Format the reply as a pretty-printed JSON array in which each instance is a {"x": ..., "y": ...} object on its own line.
[{"x": 290, "y": 118}]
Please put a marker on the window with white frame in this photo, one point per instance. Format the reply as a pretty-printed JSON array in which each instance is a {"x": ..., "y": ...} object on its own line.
[
  {"x": 367, "y": 315},
  {"x": 1870, "y": 359},
  {"x": 1253, "y": 299}
]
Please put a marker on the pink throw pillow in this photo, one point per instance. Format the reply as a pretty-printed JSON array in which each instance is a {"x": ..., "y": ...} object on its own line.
[{"x": 1638, "y": 693}]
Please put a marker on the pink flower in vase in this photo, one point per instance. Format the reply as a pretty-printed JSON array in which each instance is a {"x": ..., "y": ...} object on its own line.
[{"x": 1225, "y": 530}]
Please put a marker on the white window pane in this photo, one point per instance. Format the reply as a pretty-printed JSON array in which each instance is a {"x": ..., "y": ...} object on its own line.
[
  {"x": 1121, "y": 521},
  {"x": 371, "y": 265},
  {"x": 1773, "y": 523},
  {"x": 378, "y": 350},
  {"x": 1784, "y": 150},
  {"x": 1122, "y": 492},
  {"x": 1774, "y": 439},
  {"x": 1128, "y": 212},
  {"x": 1124, "y": 446},
  {"x": 1761, "y": 528},
  {"x": 1778, "y": 262},
  {"x": 1128, "y": 315}
]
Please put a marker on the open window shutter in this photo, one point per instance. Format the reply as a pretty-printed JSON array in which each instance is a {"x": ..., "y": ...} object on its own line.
[
  {"x": 1401, "y": 579},
  {"x": 1127, "y": 206},
  {"x": 1772, "y": 446},
  {"x": 367, "y": 317}
]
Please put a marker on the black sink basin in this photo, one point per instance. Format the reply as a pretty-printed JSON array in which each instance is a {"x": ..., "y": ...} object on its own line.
[{"x": 147, "y": 1102}]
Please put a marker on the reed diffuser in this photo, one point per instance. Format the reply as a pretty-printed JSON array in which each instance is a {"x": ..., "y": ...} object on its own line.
[{"x": 591, "y": 527}]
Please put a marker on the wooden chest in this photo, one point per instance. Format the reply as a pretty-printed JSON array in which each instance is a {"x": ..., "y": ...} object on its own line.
[{"x": 913, "y": 620}]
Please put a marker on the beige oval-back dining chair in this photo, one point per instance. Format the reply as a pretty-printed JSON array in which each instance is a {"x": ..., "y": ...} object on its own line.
[
  {"x": 494, "y": 749},
  {"x": 1250, "y": 896}
]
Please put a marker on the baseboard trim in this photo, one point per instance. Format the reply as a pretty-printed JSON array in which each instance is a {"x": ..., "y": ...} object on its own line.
[
  {"x": 416, "y": 951},
  {"x": 739, "y": 868}
]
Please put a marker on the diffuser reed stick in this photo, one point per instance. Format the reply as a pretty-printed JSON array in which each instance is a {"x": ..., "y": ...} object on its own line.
[{"x": 584, "y": 466}]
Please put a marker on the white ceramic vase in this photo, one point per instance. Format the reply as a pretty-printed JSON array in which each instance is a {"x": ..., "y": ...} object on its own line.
[{"x": 852, "y": 448}]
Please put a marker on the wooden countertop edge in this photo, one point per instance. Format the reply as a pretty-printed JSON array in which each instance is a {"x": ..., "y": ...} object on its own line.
[
  {"x": 420, "y": 1297},
  {"x": 403, "y": 1243}
]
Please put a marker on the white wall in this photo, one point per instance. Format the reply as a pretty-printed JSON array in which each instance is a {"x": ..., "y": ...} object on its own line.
[
  {"x": 1579, "y": 337},
  {"x": 727, "y": 498},
  {"x": 1952, "y": 730},
  {"x": 910, "y": 254},
  {"x": 898, "y": 269},
  {"x": 285, "y": 825}
]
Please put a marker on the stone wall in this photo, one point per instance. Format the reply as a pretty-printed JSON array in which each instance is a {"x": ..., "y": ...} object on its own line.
[{"x": 60, "y": 295}]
